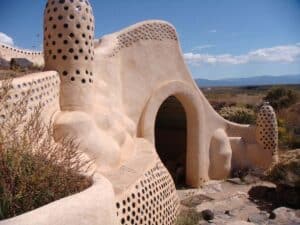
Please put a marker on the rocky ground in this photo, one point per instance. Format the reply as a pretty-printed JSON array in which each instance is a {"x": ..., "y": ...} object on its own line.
[
  {"x": 249, "y": 199},
  {"x": 237, "y": 202}
]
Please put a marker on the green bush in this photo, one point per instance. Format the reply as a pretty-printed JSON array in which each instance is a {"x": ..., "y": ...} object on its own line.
[
  {"x": 238, "y": 114},
  {"x": 34, "y": 170},
  {"x": 280, "y": 98}
]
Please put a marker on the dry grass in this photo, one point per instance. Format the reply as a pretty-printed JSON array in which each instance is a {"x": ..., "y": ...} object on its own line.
[
  {"x": 34, "y": 170},
  {"x": 7, "y": 73},
  {"x": 189, "y": 217},
  {"x": 287, "y": 170}
]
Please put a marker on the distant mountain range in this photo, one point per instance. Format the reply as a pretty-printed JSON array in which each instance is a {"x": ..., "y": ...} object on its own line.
[{"x": 250, "y": 81}]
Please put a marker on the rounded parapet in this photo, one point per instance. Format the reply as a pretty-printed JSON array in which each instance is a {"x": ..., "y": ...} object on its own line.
[
  {"x": 94, "y": 205},
  {"x": 69, "y": 49},
  {"x": 267, "y": 129},
  {"x": 152, "y": 30}
]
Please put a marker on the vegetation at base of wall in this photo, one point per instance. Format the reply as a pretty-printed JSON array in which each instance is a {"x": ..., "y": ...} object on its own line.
[
  {"x": 236, "y": 114},
  {"x": 287, "y": 170},
  {"x": 188, "y": 217},
  {"x": 287, "y": 135},
  {"x": 34, "y": 170}
]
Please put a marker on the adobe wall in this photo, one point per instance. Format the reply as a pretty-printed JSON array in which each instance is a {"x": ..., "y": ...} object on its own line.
[
  {"x": 107, "y": 94},
  {"x": 35, "y": 89},
  {"x": 143, "y": 65},
  {"x": 8, "y": 52}
]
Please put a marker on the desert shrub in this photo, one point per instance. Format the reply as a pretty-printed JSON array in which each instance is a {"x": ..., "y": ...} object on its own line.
[
  {"x": 287, "y": 170},
  {"x": 283, "y": 137},
  {"x": 288, "y": 137},
  {"x": 251, "y": 107},
  {"x": 280, "y": 98},
  {"x": 238, "y": 115},
  {"x": 34, "y": 170},
  {"x": 218, "y": 105},
  {"x": 188, "y": 217},
  {"x": 295, "y": 142}
]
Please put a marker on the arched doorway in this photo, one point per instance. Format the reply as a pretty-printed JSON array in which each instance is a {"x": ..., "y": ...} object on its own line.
[
  {"x": 171, "y": 138},
  {"x": 197, "y": 166}
]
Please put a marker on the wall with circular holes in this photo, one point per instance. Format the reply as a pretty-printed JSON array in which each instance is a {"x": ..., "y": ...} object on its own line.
[
  {"x": 69, "y": 40},
  {"x": 32, "y": 91},
  {"x": 152, "y": 200},
  {"x": 267, "y": 129},
  {"x": 151, "y": 30}
]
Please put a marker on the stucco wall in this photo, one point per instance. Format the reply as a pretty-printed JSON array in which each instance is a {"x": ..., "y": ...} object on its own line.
[
  {"x": 35, "y": 89},
  {"x": 142, "y": 66},
  {"x": 107, "y": 94},
  {"x": 8, "y": 52}
]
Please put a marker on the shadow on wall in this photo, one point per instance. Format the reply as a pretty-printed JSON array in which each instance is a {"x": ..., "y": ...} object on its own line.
[{"x": 171, "y": 138}]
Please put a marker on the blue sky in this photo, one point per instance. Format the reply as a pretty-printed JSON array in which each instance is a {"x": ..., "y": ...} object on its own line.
[{"x": 220, "y": 38}]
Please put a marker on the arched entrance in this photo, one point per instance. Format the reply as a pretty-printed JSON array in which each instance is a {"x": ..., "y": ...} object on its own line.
[
  {"x": 197, "y": 167},
  {"x": 171, "y": 138}
]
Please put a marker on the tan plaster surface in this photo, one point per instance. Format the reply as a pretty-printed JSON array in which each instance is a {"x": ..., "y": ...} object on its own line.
[{"x": 106, "y": 94}]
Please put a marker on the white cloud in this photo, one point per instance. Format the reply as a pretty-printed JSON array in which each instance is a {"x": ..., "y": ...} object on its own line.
[
  {"x": 213, "y": 31},
  {"x": 283, "y": 53},
  {"x": 5, "y": 39},
  {"x": 201, "y": 47}
]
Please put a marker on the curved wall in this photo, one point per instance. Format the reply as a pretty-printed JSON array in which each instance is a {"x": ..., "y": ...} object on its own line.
[
  {"x": 197, "y": 166},
  {"x": 8, "y": 52},
  {"x": 110, "y": 100}
]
